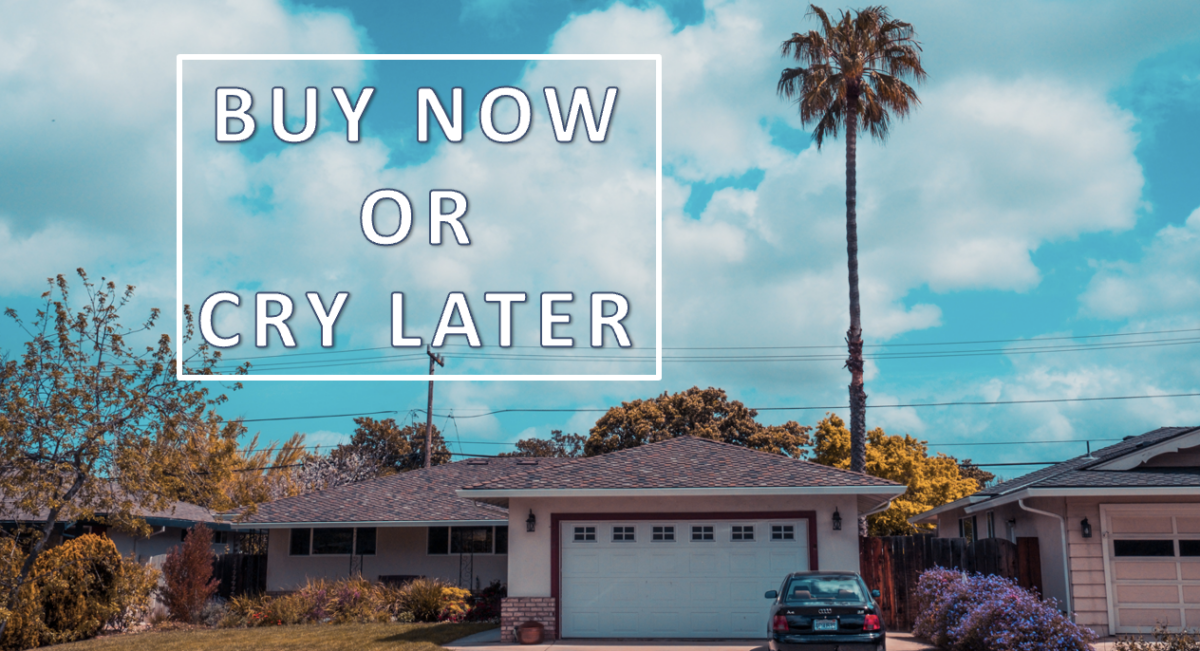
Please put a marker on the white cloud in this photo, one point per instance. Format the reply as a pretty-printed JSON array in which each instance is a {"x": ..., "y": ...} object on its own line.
[{"x": 1165, "y": 281}]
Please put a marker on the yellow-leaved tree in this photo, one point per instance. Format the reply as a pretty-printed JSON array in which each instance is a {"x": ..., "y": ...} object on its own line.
[{"x": 931, "y": 481}]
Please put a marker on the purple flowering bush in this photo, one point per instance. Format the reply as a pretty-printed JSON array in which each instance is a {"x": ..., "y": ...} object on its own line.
[{"x": 961, "y": 612}]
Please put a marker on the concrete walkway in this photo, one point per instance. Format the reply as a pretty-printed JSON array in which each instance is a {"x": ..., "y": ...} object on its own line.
[{"x": 491, "y": 640}]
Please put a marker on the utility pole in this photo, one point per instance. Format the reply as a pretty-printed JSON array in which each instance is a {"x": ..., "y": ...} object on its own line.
[{"x": 440, "y": 361}]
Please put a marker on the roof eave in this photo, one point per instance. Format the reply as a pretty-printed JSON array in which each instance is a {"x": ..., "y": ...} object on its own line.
[
  {"x": 490, "y": 494},
  {"x": 370, "y": 523},
  {"x": 1085, "y": 491}
]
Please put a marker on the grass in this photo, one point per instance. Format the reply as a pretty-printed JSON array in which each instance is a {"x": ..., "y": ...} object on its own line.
[{"x": 341, "y": 637}]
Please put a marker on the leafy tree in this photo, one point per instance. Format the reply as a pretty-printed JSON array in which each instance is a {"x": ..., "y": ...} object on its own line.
[
  {"x": 188, "y": 579},
  {"x": 851, "y": 77},
  {"x": 559, "y": 445},
  {"x": 705, "y": 413},
  {"x": 395, "y": 448},
  {"x": 968, "y": 469},
  {"x": 931, "y": 481},
  {"x": 91, "y": 428}
]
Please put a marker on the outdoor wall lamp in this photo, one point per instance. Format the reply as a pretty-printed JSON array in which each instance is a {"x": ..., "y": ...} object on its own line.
[
  {"x": 1085, "y": 528},
  {"x": 837, "y": 520},
  {"x": 531, "y": 521}
]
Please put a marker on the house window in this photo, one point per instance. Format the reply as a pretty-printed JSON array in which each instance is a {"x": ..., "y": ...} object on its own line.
[
  {"x": 623, "y": 534},
  {"x": 1143, "y": 548},
  {"x": 663, "y": 534},
  {"x": 991, "y": 524},
  {"x": 968, "y": 528},
  {"x": 743, "y": 532},
  {"x": 300, "y": 541},
  {"x": 783, "y": 532},
  {"x": 471, "y": 540},
  {"x": 332, "y": 541},
  {"x": 467, "y": 540},
  {"x": 364, "y": 542},
  {"x": 702, "y": 533},
  {"x": 1189, "y": 547},
  {"x": 585, "y": 534}
]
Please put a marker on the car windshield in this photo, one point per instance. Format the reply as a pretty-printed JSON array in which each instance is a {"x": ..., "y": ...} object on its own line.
[{"x": 823, "y": 588}]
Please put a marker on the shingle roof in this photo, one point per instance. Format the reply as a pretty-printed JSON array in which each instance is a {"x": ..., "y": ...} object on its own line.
[
  {"x": 1076, "y": 472},
  {"x": 415, "y": 496},
  {"x": 682, "y": 462}
]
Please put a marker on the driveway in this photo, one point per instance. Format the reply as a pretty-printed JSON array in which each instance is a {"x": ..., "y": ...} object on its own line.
[{"x": 491, "y": 640}]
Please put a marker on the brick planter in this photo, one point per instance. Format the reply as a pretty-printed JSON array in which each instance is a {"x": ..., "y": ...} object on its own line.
[{"x": 515, "y": 611}]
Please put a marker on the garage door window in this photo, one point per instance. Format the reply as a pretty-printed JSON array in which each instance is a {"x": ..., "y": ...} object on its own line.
[
  {"x": 623, "y": 534},
  {"x": 702, "y": 534},
  {"x": 1189, "y": 547},
  {"x": 783, "y": 532},
  {"x": 663, "y": 534},
  {"x": 1143, "y": 547},
  {"x": 585, "y": 534},
  {"x": 743, "y": 532}
]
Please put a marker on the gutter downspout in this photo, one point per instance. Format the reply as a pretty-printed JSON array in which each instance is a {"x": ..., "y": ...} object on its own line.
[
  {"x": 1062, "y": 523},
  {"x": 880, "y": 509}
]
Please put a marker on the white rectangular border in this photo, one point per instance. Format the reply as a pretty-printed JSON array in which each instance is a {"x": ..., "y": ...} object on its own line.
[{"x": 656, "y": 58}]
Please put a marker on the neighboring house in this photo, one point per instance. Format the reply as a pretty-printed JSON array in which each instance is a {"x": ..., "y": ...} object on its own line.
[
  {"x": 674, "y": 539},
  {"x": 168, "y": 527},
  {"x": 392, "y": 528},
  {"x": 1118, "y": 530}
]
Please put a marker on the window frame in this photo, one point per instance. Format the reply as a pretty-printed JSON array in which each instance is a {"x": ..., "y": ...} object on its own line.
[
  {"x": 704, "y": 530},
  {"x": 741, "y": 530},
  {"x": 664, "y": 530},
  {"x": 310, "y": 553},
  {"x": 585, "y": 531},
  {"x": 625, "y": 530},
  {"x": 786, "y": 530},
  {"x": 493, "y": 536}
]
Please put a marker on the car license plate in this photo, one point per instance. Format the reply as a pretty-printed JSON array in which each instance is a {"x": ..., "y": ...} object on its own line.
[{"x": 825, "y": 625}]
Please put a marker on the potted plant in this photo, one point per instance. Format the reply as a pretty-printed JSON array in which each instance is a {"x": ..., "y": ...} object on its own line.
[{"x": 530, "y": 632}]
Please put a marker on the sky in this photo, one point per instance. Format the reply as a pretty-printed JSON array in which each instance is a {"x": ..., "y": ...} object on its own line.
[{"x": 1040, "y": 203}]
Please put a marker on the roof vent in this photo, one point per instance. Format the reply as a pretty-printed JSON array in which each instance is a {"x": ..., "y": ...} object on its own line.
[
  {"x": 1127, "y": 438},
  {"x": 477, "y": 462},
  {"x": 527, "y": 462},
  {"x": 1140, "y": 445}
]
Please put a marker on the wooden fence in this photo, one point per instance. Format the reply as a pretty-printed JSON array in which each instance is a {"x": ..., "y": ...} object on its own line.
[
  {"x": 240, "y": 574},
  {"x": 892, "y": 565}
]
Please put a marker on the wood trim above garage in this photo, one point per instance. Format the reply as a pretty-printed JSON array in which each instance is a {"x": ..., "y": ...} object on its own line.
[{"x": 556, "y": 520}]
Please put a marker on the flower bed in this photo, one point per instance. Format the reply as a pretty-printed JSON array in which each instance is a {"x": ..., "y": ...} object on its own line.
[{"x": 961, "y": 612}]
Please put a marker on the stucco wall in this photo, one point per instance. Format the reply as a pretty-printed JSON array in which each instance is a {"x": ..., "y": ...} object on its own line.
[
  {"x": 399, "y": 551},
  {"x": 157, "y": 544},
  {"x": 529, "y": 553}
]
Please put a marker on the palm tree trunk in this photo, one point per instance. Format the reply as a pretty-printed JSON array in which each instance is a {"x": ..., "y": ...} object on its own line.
[{"x": 858, "y": 397}]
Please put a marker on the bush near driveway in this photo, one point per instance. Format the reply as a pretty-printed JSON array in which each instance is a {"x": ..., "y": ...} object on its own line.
[
  {"x": 961, "y": 612},
  {"x": 74, "y": 591},
  {"x": 351, "y": 637},
  {"x": 1164, "y": 640}
]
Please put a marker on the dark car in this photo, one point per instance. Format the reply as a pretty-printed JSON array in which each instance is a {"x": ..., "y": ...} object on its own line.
[{"x": 825, "y": 611}]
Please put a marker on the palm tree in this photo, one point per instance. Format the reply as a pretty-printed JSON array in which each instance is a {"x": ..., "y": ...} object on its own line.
[{"x": 850, "y": 77}]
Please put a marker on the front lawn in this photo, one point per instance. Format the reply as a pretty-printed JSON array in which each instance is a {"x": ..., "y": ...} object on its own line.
[{"x": 341, "y": 637}]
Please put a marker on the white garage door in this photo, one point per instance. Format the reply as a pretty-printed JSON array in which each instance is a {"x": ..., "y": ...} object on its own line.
[
  {"x": 1153, "y": 569},
  {"x": 675, "y": 578}
]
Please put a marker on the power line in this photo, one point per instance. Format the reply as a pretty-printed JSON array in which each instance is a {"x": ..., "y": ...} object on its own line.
[
  {"x": 801, "y": 347},
  {"x": 263, "y": 420}
]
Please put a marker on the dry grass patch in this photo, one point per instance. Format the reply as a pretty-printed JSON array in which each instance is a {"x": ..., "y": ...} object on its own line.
[{"x": 344, "y": 637}]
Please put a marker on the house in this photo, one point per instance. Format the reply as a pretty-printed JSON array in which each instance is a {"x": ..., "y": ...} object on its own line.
[
  {"x": 1118, "y": 530},
  {"x": 392, "y": 528},
  {"x": 168, "y": 527},
  {"x": 674, "y": 539}
]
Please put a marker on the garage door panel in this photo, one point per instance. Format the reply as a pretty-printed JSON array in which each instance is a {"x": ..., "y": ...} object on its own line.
[
  {"x": 1190, "y": 571},
  {"x": 1140, "y": 524},
  {"x": 1145, "y": 570},
  {"x": 682, "y": 588},
  {"x": 1147, "y": 594},
  {"x": 1149, "y": 617},
  {"x": 1187, "y": 524}
]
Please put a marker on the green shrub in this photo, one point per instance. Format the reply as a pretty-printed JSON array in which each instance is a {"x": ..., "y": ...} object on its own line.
[
  {"x": 74, "y": 591},
  {"x": 1164, "y": 640},
  {"x": 424, "y": 598}
]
